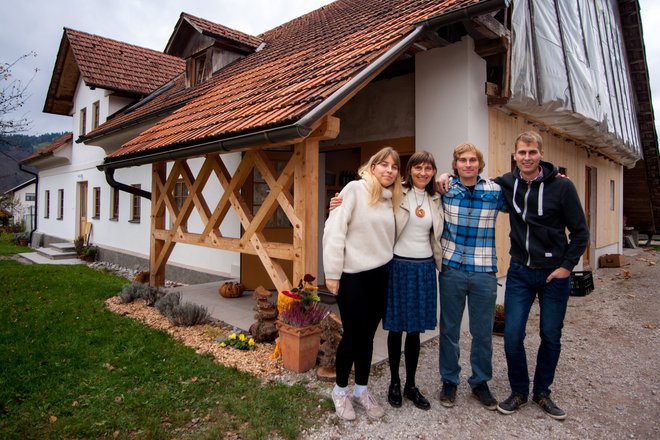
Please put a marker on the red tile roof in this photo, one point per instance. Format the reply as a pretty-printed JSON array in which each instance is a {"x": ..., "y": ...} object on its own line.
[
  {"x": 303, "y": 63},
  {"x": 114, "y": 65},
  {"x": 218, "y": 31},
  {"x": 50, "y": 148}
]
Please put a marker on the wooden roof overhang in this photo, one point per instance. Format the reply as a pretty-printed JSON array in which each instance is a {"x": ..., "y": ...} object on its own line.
[{"x": 301, "y": 136}]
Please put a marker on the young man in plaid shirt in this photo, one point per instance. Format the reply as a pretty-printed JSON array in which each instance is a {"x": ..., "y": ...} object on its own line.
[{"x": 469, "y": 268}]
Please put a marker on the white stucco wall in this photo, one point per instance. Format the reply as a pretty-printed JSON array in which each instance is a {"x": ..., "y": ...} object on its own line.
[
  {"x": 121, "y": 234},
  {"x": 451, "y": 106}
]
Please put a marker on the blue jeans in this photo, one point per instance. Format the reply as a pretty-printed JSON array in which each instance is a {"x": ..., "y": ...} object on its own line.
[
  {"x": 480, "y": 289},
  {"x": 523, "y": 284}
]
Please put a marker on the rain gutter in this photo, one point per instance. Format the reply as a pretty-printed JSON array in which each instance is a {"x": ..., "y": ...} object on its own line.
[{"x": 303, "y": 127}]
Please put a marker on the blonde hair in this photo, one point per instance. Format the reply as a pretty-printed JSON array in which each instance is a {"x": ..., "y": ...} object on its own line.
[
  {"x": 375, "y": 188},
  {"x": 468, "y": 148}
]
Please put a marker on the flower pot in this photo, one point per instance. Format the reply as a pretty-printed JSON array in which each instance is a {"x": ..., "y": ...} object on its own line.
[
  {"x": 299, "y": 346},
  {"x": 498, "y": 327}
]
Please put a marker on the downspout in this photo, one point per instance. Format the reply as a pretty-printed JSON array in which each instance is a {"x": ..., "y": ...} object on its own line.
[
  {"x": 36, "y": 198},
  {"x": 110, "y": 178},
  {"x": 303, "y": 127}
]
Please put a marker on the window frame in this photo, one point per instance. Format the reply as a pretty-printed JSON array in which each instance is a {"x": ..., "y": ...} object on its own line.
[
  {"x": 47, "y": 203},
  {"x": 114, "y": 205},
  {"x": 136, "y": 205},
  {"x": 96, "y": 194},
  {"x": 83, "y": 121},
  {"x": 60, "y": 204},
  {"x": 96, "y": 112}
]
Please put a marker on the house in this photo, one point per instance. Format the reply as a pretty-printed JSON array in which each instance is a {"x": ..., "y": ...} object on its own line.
[
  {"x": 22, "y": 210},
  {"x": 223, "y": 166}
]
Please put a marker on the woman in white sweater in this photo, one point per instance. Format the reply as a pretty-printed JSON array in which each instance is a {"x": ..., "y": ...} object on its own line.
[{"x": 357, "y": 247}]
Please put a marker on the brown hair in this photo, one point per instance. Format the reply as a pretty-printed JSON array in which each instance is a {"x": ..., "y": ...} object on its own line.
[
  {"x": 529, "y": 137},
  {"x": 418, "y": 158},
  {"x": 468, "y": 148}
]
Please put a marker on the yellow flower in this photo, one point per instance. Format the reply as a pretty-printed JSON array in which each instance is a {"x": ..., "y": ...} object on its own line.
[
  {"x": 232, "y": 336},
  {"x": 242, "y": 337},
  {"x": 222, "y": 344},
  {"x": 251, "y": 342}
]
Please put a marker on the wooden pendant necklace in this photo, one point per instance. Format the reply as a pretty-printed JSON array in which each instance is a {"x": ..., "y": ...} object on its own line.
[{"x": 419, "y": 212}]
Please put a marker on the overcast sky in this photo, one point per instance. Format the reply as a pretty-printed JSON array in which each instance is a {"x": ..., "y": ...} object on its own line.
[{"x": 37, "y": 25}]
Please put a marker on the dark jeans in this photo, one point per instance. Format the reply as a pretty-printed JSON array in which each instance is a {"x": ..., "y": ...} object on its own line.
[
  {"x": 362, "y": 299},
  {"x": 523, "y": 284}
]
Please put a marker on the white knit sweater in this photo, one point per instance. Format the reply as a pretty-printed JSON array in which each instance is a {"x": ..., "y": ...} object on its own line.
[{"x": 358, "y": 236}]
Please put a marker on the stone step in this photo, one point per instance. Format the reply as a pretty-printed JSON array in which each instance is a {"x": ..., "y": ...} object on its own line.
[
  {"x": 63, "y": 246},
  {"x": 37, "y": 258},
  {"x": 57, "y": 254}
]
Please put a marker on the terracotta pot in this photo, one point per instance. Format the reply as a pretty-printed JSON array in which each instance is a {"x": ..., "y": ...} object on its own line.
[
  {"x": 498, "y": 327},
  {"x": 299, "y": 345}
]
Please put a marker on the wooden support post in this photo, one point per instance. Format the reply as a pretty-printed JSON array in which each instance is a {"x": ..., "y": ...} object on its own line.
[
  {"x": 306, "y": 199},
  {"x": 158, "y": 177}
]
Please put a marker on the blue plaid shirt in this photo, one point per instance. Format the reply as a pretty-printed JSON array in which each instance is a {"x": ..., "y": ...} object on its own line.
[{"x": 468, "y": 239}]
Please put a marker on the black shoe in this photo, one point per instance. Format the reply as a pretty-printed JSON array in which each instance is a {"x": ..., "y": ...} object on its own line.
[
  {"x": 512, "y": 403},
  {"x": 416, "y": 397},
  {"x": 394, "y": 394},
  {"x": 482, "y": 393},
  {"x": 448, "y": 394},
  {"x": 546, "y": 403}
]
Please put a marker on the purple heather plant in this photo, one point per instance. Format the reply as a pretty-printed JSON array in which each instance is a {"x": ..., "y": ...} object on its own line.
[{"x": 299, "y": 315}]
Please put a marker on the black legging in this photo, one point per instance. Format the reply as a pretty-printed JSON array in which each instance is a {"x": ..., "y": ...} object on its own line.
[
  {"x": 412, "y": 356},
  {"x": 362, "y": 299}
]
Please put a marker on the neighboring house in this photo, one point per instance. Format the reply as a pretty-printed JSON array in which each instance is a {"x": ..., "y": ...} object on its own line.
[
  {"x": 229, "y": 159},
  {"x": 22, "y": 210}
]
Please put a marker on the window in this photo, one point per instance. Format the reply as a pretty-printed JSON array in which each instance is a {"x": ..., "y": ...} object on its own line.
[
  {"x": 46, "y": 204},
  {"x": 95, "y": 114},
  {"x": 83, "y": 121},
  {"x": 29, "y": 197},
  {"x": 180, "y": 193},
  {"x": 611, "y": 195},
  {"x": 196, "y": 69},
  {"x": 97, "y": 203},
  {"x": 114, "y": 205},
  {"x": 135, "y": 206},
  {"x": 60, "y": 204}
]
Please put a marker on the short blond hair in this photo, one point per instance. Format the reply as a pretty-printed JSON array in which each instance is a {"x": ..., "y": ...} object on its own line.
[
  {"x": 468, "y": 148},
  {"x": 529, "y": 137}
]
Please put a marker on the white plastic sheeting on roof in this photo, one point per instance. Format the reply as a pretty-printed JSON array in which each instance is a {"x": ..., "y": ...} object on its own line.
[{"x": 569, "y": 70}]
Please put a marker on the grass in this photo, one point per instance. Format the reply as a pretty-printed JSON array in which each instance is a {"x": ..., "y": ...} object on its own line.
[
  {"x": 72, "y": 369},
  {"x": 8, "y": 248}
]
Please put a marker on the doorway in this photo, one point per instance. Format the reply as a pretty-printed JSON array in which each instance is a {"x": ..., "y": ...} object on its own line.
[
  {"x": 82, "y": 210},
  {"x": 590, "y": 214}
]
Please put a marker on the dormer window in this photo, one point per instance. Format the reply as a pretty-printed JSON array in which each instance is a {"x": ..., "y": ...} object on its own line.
[{"x": 197, "y": 64}]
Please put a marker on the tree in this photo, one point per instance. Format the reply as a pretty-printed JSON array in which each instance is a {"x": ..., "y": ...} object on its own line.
[{"x": 13, "y": 94}]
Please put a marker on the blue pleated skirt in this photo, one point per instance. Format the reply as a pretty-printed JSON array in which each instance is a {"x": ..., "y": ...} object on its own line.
[{"x": 412, "y": 295}]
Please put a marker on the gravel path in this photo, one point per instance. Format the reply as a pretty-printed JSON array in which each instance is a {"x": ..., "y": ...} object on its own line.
[{"x": 607, "y": 378}]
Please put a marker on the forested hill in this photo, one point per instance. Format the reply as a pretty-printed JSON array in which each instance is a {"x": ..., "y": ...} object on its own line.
[{"x": 14, "y": 148}]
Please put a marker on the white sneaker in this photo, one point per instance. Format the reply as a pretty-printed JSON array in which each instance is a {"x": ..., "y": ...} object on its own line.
[
  {"x": 343, "y": 406},
  {"x": 367, "y": 401}
]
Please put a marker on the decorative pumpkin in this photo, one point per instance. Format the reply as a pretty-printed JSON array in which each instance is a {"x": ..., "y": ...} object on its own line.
[{"x": 231, "y": 290}]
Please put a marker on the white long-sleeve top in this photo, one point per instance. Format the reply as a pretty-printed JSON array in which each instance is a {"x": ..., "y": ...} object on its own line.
[
  {"x": 414, "y": 238},
  {"x": 358, "y": 236}
]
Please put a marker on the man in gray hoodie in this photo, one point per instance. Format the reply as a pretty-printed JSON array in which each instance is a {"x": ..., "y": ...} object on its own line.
[{"x": 541, "y": 208}]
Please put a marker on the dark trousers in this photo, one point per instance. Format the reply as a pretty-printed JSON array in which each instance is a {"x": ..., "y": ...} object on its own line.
[
  {"x": 523, "y": 285},
  {"x": 361, "y": 299}
]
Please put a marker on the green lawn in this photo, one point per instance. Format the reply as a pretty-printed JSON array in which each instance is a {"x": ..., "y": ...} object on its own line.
[{"x": 72, "y": 369}]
